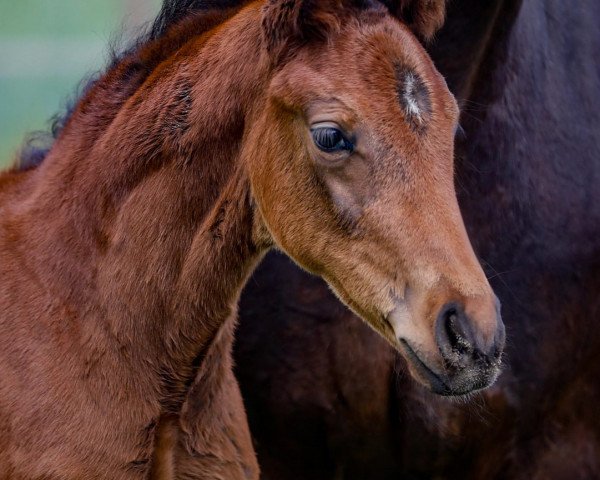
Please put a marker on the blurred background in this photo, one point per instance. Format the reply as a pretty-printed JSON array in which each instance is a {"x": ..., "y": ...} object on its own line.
[{"x": 46, "y": 48}]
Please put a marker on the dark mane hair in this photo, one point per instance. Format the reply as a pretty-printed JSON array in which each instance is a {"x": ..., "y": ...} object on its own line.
[{"x": 37, "y": 144}]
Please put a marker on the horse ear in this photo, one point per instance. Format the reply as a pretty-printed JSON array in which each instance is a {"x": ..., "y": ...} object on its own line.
[
  {"x": 424, "y": 17},
  {"x": 287, "y": 21}
]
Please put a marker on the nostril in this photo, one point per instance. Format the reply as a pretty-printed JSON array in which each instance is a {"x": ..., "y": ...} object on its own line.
[
  {"x": 464, "y": 342},
  {"x": 453, "y": 335},
  {"x": 456, "y": 336}
]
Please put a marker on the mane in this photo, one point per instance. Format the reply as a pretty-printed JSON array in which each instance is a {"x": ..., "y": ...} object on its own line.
[{"x": 173, "y": 12}]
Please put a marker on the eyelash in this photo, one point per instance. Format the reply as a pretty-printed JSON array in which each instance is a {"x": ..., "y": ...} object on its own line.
[{"x": 330, "y": 140}]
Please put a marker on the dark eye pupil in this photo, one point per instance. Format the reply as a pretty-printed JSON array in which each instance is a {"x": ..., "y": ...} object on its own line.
[{"x": 329, "y": 139}]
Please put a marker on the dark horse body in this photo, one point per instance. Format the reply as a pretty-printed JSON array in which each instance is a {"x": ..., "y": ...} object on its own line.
[{"x": 328, "y": 399}]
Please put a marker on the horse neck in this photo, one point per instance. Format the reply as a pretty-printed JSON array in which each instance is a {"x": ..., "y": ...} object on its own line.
[{"x": 148, "y": 233}]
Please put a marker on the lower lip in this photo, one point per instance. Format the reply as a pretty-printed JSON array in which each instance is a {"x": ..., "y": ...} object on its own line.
[{"x": 436, "y": 383}]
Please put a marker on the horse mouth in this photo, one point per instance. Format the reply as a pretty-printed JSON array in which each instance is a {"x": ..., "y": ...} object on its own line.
[
  {"x": 468, "y": 381},
  {"x": 433, "y": 380}
]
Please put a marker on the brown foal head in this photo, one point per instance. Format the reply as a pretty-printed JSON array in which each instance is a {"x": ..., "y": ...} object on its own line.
[{"x": 351, "y": 166}]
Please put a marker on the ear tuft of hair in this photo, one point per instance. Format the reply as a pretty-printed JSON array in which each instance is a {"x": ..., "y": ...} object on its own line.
[
  {"x": 288, "y": 21},
  {"x": 424, "y": 17}
]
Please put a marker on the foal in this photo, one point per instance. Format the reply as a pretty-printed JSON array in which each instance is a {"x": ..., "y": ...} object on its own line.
[{"x": 323, "y": 130}]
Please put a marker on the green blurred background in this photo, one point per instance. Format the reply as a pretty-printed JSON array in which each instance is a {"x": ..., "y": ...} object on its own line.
[{"x": 46, "y": 47}]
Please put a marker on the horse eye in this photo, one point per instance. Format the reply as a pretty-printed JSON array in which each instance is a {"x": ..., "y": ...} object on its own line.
[{"x": 330, "y": 139}]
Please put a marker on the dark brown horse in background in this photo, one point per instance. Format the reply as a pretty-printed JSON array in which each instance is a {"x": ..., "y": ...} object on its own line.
[
  {"x": 327, "y": 399},
  {"x": 321, "y": 128}
]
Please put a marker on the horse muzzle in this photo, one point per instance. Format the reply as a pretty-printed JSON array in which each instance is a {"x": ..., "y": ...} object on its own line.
[{"x": 466, "y": 360}]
